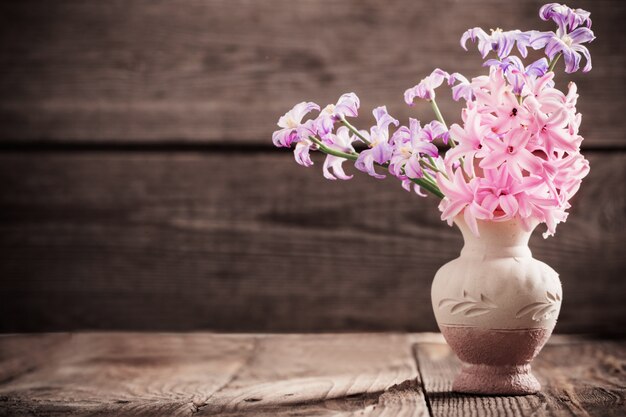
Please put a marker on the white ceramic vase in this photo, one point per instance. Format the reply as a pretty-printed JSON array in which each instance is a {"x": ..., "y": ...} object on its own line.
[{"x": 496, "y": 306}]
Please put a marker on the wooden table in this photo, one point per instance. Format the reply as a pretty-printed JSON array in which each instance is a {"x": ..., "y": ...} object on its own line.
[{"x": 280, "y": 375}]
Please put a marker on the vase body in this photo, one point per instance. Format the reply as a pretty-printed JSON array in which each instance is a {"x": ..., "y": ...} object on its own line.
[{"x": 496, "y": 306}]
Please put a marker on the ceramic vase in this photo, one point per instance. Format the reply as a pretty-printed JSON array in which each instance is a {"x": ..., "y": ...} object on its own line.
[{"x": 496, "y": 306}]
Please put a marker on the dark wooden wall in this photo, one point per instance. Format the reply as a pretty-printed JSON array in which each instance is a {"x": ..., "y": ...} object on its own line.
[{"x": 140, "y": 189}]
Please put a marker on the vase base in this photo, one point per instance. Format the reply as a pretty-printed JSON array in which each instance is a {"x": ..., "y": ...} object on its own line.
[
  {"x": 496, "y": 380},
  {"x": 496, "y": 362}
]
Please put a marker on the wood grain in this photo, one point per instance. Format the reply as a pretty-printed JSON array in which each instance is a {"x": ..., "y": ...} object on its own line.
[
  {"x": 578, "y": 379},
  {"x": 329, "y": 374},
  {"x": 251, "y": 242},
  {"x": 204, "y": 374},
  {"x": 118, "y": 374},
  {"x": 223, "y": 71},
  {"x": 17, "y": 356}
]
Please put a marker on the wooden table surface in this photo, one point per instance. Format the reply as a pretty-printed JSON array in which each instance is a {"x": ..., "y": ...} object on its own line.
[{"x": 290, "y": 374}]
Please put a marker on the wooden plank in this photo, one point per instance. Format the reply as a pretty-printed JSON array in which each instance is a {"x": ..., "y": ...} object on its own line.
[
  {"x": 581, "y": 378},
  {"x": 225, "y": 70},
  {"x": 252, "y": 242},
  {"x": 125, "y": 374},
  {"x": 325, "y": 375},
  {"x": 17, "y": 356},
  {"x": 205, "y": 374}
]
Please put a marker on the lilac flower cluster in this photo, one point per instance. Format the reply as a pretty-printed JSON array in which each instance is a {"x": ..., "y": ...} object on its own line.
[
  {"x": 409, "y": 153},
  {"x": 515, "y": 153},
  {"x": 572, "y": 32}
]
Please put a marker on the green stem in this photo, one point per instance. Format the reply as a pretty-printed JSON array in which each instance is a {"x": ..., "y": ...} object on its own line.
[
  {"x": 333, "y": 152},
  {"x": 428, "y": 186},
  {"x": 439, "y": 117},
  {"x": 438, "y": 114},
  {"x": 425, "y": 184},
  {"x": 354, "y": 130},
  {"x": 428, "y": 165},
  {"x": 429, "y": 177},
  {"x": 554, "y": 61},
  {"x": 433, "y": 166}
]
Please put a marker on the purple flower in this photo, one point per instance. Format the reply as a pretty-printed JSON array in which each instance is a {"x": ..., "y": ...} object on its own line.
[
  {"x": 347, "y": 106},
  {"x": 426, "y": 88},
  {"x": 380, "y": 150},
  {"x": 410, "y": 144},
  {"x": 304, "y": 145},
  {"x": 434, "y": 130},
  {"x": 290, "y": 122},
  {"x": 342, "y": 141},
  {"x": 499, "y": 41},
  {"x": 565, "y": 17},
  {"x": 462, "y": 89},
  {"x": 409, "y": 185},
  {"x": 301, "y": 152},
  {"x": 569, "y": 44},
  {"x": 515, "y": 71}
]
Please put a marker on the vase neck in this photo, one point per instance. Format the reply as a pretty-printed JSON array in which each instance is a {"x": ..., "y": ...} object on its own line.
[{"x": 497, "y": 239}]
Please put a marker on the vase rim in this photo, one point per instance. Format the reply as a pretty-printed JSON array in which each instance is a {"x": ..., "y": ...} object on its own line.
[{"x": 459, "y": 220}]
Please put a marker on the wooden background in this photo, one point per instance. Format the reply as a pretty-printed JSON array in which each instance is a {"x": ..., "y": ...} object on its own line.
[{"x": 140, "y": 189}]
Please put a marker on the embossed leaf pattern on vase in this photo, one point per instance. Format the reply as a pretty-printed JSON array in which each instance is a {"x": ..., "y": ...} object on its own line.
[
  {"x": 468, "y": 306},
  {"x": 541, "y": 310}
]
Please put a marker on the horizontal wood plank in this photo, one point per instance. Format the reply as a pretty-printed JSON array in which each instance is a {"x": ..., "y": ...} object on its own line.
[
  {"x": 324, "y": 375},
  {"x": 206, "y": 374},
  {"x": 579, "y": 378},
  {"x": 225, "y": 70},
  {"x": 255, "y": 243},
  {"x": 122, "y": 374}
]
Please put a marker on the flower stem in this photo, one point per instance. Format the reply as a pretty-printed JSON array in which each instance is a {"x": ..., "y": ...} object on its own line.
[
  {"x": 428, "y": 186},
  {"x": 429, "y": 177},
  {"x": 332, "y": 151},
  {"x": 354, "y": 130},
  {"x": 428, "y": 165},
  {"x": 438, "y": 114},
  {"x": 439, "y": 117},
  {"x": 554, "y": 61},
  {"x": 424, "y": 183}
]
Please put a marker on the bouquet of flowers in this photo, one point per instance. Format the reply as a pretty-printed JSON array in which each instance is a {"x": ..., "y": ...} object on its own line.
[{"x": 515, "y": 153}]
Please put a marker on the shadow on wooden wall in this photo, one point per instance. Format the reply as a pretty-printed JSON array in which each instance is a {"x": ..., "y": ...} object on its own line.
[{"x": 141, "y": 191}]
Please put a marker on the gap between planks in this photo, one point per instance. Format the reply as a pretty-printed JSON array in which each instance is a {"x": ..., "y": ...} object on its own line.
[{"x": 579, "y": 377}]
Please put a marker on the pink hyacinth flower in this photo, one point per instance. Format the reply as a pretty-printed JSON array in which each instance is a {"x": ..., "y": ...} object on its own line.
[
  {"x": 469, "y": 139},
  {"x": 500, "y": 193},
  {"x": 511, "y": 151},
  {"x": 460, "y": 197}
]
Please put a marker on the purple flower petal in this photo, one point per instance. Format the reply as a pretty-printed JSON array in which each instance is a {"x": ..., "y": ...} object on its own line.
[
  {"x": 538, "y": 68},
  {"x": 365, "y": 163},
  {"x": 284, "y": 137},
  {"x": 581, "y": 35},
  {"x": 335, "y": 163},
  {"x": 463, "y": 89},
  {"x": 383, "y": 119},
  {"x": 585, "y": 52},
  {"x": 301, "y": 153},
  {"x": 348, "y": 105},
  {"x": 426, "y": 87}
]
